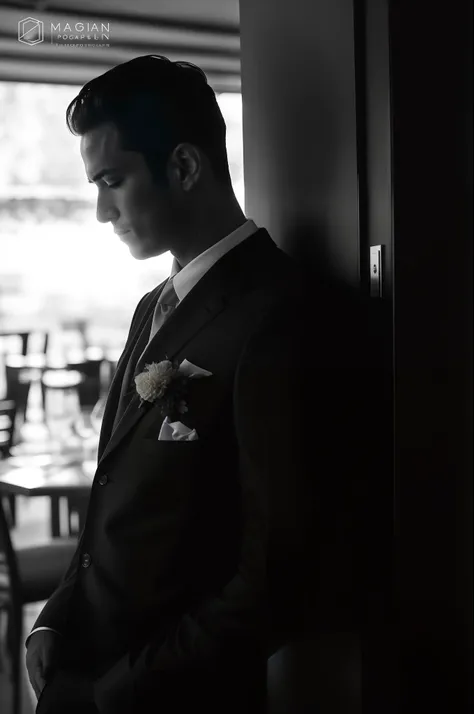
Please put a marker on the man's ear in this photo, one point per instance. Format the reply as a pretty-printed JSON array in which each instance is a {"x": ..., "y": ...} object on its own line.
[{"x": 186, "y": 165}]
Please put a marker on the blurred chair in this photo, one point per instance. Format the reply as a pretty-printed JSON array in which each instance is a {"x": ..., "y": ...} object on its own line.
[
  {"x": 18, "y": 377},
  {"x": 7, "y": 338},
  {"x": 20, "y": 343},
  {"x": 14, "y": 348},
  {"x": 7, "y": 432},
  {"x": 27, "y": 575},
  {"x": 77, "y": 328},
  {"x": 38, "y": 347},
  {"x": 59, "y": 379},
  {"x": 89, "y": 390},
  {"x": 66, "y": 380},
  {"x": 112, "y": 357},
  {"x": 7, "y": 425}
]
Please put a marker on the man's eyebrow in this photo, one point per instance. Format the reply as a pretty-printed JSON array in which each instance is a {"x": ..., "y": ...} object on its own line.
[{"x": 102, "y": 173}]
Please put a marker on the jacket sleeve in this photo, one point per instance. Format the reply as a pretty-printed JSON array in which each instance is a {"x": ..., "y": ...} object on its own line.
[
  {"x": 54, "y": 614},
  {"x": 244, "y": 620}
]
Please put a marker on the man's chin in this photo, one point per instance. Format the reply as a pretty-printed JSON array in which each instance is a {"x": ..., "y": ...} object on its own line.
[
  {"x": 136, "y": 247},
  {"x": 137, "y": 253},
  {"x": 141, "y": 251}
]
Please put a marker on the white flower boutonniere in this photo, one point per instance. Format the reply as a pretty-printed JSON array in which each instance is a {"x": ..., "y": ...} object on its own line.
[{"x": 165, "y": 383}]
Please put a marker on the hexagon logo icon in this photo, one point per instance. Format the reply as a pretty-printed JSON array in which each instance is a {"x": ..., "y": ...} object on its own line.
[{"x": 30, "y": 31}]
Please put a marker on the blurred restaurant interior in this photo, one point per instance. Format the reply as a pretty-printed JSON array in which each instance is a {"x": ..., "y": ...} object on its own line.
[{"x": 68, "y": 287}]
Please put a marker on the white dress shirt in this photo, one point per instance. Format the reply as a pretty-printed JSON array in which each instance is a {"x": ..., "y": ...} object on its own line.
[{"x": 185, "y": 279}]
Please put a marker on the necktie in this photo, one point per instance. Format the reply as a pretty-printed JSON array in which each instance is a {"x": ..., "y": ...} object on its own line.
[{"x": 164, "y": 307}]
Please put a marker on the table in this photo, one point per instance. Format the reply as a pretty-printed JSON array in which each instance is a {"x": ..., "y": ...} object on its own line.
[{"x": 55, "y": 476}]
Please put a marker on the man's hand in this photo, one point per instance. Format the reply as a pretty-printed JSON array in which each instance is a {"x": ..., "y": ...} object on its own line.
[{"x": 42, "y": 658}]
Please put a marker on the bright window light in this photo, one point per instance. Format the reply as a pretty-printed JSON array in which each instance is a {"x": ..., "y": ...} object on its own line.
[{"x": 57, "y": 262}]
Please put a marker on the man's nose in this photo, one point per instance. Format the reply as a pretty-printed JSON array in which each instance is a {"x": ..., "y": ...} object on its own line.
[{"x": 106, "y": 211}]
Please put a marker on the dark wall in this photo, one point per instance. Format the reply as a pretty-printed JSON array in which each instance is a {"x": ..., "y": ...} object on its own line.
[
  {"x": 300, "y": 158},
  {"x": 431, "y": 94},
  {"x": 358, "y": 132},
  {"x": 374, "y": 121},
  {"x": 301, "y": 182}
]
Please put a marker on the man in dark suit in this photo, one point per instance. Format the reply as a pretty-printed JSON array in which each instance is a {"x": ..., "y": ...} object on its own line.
[{"x": 191, "y": 555}]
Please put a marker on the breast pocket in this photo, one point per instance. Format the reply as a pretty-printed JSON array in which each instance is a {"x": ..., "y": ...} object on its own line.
[{"x": 168, "y": 460}]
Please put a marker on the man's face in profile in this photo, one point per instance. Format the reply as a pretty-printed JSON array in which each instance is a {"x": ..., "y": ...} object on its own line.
[{"x": 142, "y": 213}]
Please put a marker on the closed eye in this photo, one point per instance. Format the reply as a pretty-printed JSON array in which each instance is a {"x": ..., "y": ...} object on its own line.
[{"x": 116, "y": 184}]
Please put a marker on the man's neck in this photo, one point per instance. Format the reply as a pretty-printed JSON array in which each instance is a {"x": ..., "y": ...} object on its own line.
[{"x": 206, "y": 235}]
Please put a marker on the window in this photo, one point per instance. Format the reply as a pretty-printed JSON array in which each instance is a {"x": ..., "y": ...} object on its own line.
[{"x": 57, "y": 263}]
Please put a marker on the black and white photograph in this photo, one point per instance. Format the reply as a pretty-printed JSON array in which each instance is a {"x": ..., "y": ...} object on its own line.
[{"x": 236, "y": 357}]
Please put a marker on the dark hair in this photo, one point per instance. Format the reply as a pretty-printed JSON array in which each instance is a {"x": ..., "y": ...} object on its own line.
[{"x": 155, "y": 104}]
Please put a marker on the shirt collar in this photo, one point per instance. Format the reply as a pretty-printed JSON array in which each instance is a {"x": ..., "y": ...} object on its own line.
[{"x": 184, "y": 279}]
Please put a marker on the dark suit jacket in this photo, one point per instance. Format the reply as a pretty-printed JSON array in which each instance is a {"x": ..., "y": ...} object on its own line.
[{"x": 191, "y": 551}]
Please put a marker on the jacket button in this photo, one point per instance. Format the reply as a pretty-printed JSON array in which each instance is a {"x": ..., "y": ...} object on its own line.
[
  {"x": 86, "y": 560},
  {"x": 103, "y": 479}
]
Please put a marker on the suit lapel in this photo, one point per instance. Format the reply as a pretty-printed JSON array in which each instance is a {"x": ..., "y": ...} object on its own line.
[
  {"x": 232, "y": 274},
  {"x": 123, "y": 367},
  {"x": 177, "y": 331}
]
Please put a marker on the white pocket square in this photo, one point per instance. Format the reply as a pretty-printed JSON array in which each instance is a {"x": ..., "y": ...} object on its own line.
[
  {"x": 192, "y": 370},
  {"x": 176, "y": 431}
]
